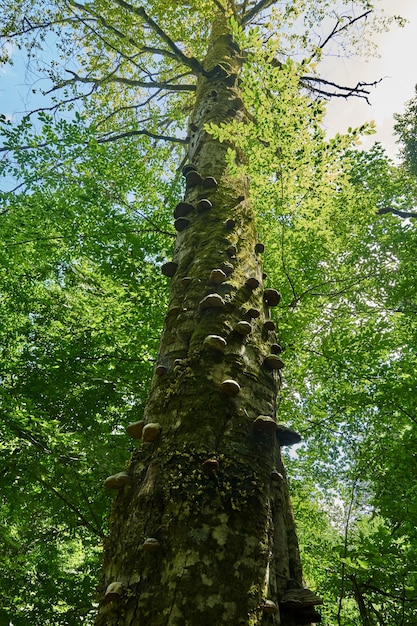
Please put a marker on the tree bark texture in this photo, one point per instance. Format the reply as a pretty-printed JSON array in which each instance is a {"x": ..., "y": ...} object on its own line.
[{"x": 203, "y": 533}]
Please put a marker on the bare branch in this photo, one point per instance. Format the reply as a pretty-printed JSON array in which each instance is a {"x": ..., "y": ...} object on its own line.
[
  {"x": 219, "y": 6},
  {"x": 132, "y": 107},
  {"x": 335, "y": 30},
  {"x": 360, "y": 90},
  {"x": 111, "y": 78},
  {"x": 147, "y": 133},
  {"x": 190, "y": 62},
  {"x": 120, "y": 35},
  {"x": 68, "y": 503},
  {"x": 254, "y": 11},
  {"x": 388, "y": 209}
]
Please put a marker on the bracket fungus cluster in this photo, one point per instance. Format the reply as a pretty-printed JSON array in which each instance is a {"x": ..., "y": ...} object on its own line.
[
  {"x": 274, "y": 362},
  {"x": 301, "y": 604},
  {"x": 230, "y": 387},
  {"x": 217, "y": 276},
  {"x": 272, "y": 297},
  {"x": 243, "y": 327},
  {"x": 210, "y": 466},
  {"x": 204, "y": 205},
  {"x": 286, "y": 436},
  {"x": 269, "y": 607},
  {"x": 135, "y": 429},
  {"x": 181, "y": 224},
  {"x": 193, "y": 178},
  {"x": 212, "y": 301},
  {"x": 168, "y": 269},
  {"x": 151, "y": 432},
  {"x": 215, "y": 342},
  {"x": 183, "y": 209},
  {"x": 252, "y": 283},
  {"x": 117, "y": 481},
  {"x": 264, "y": 424},
  {"x": 114, "y": 592},
  {"x": 151, "y": 545}
]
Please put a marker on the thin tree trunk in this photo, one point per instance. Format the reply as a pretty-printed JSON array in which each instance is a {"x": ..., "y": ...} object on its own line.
[{"x": 210, "y": 491}]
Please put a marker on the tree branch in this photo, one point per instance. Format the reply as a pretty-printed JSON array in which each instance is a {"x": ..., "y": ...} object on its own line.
[
  {"x": 122, "y": 36},
  {"x": 388, "y": 209},
  {"x": 335, "y": 30},
  {"x": 254, "y": 11},
  {"x": 123, "y": 81},
  {"x": 133, "y": 133},
  {"x": 96, "y": 531},
  {"x": 190, "y": 62},
  {"x": 340, "y": 91}
]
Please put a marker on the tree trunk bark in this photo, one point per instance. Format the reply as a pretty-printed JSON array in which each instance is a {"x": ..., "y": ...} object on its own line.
[{"x": 203, "y": 533}]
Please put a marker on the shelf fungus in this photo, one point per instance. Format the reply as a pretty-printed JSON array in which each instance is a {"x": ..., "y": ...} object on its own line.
[
  {"x": 135, "y": 429},
  {"x": 210, "y": 182},
  {"x": 243, "y": 328},
  {"x": 193, "y": 178},
  {"x": 270, "y": 608},
  {"x": 182, "y": 209},
  {"x": 230, "y": 387},
  {"x": 276, "y": 348},
  {"x": 217, "y": 276},
  {"x": 186, "y": 281},
  {"x": 151, "y": 545},
  {"x": 161, "y": 370},
  {"x": 272, "y": 297},
  {"x": 181, "y": 224},
  {"x": 203, "y": 205},
  {"x": 300, "y": 599},
  {"x": 212, "y": 301},
  {"x": 273, "y": 362},
  {"x": 264, "y": 424},
  {"x": 259, "y": 247},
  {"x": 252, "y": 283},
  {"x": 276, "y": 476},
  {"x": 210, "y": 466},
  {"x": 188, "y": 168},
  {"x": 151, "y": 432},
  {"x": 287, "y": 436},
  {"x": 114, "y": 592},
  {"x": 230, "y": 224},
  {"x": 215, "y": 342},
  {"x": 227, "y": 268},
  {"x": 169, "y": 268},
  {"x": 269, "y": 325},
  {"x": 174, "y": 311},
  {"x": 253, "y": 313},
  {"x": 117, "y": 481},
  {"x": 231, "y": 251}
]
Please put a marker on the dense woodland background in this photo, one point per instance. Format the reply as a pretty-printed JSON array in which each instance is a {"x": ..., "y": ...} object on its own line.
[{"x": 85, "y": 225}]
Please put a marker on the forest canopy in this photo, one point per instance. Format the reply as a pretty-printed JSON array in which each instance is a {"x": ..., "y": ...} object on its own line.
[{"x": 91, "y": 180}]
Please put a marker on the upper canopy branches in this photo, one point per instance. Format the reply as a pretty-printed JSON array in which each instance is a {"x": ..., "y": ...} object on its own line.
[{"x": 143, "y": 58}]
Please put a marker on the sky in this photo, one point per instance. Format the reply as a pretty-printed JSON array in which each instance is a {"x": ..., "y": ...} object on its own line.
[{"x": 395, "y": 65}]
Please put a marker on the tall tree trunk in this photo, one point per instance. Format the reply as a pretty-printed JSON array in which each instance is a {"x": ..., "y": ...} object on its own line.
[{"x": 203, "y": 532}]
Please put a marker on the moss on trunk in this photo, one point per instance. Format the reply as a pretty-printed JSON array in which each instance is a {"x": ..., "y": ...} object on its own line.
[{"x": 210, "y": 489}]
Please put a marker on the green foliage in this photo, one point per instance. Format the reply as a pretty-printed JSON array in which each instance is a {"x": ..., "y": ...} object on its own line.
[
  {"x": 86, "y": 224},
  {"x": 80, "y": 320},
  {"x": 406, "y": 130}
]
